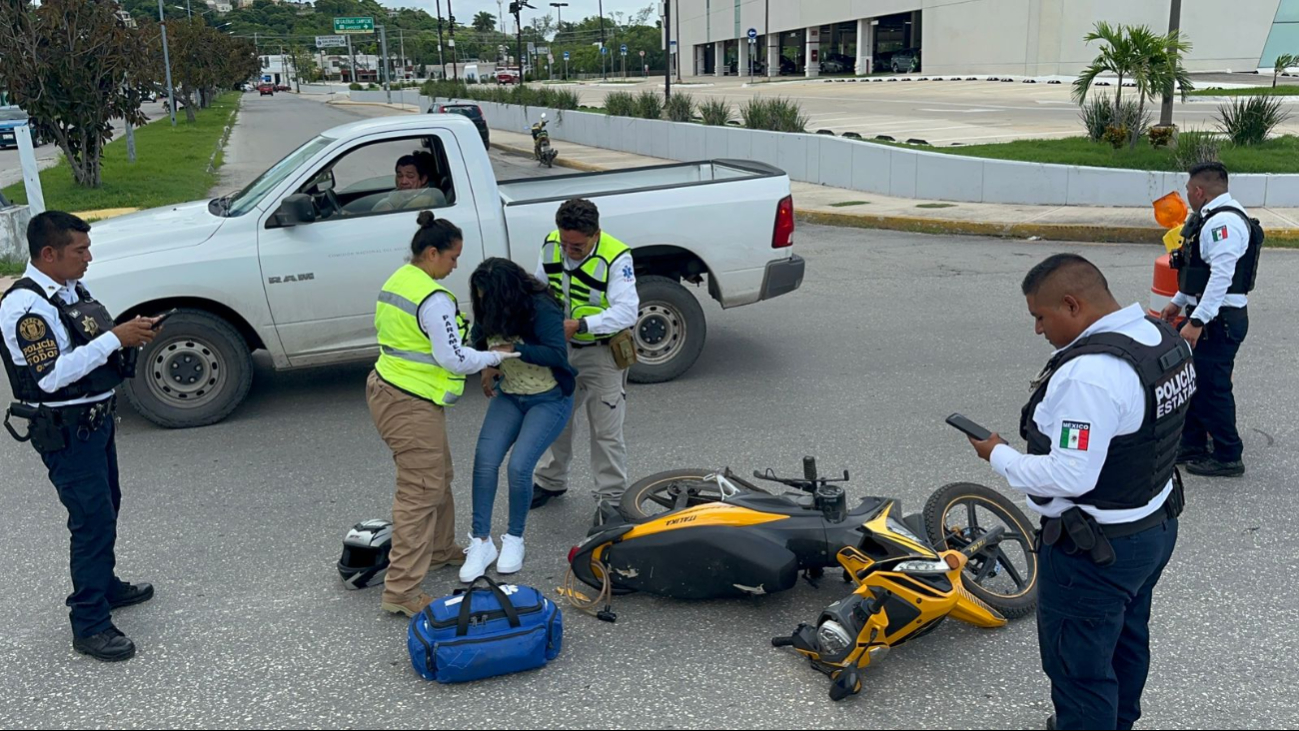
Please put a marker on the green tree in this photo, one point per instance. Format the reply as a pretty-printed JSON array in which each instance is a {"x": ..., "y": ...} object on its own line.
[
  {"x": 1117, "y": 56},
  {"x": 74, "y": 66},
  {"x": 484, "y": 22},
  {"x": 1283, "y": 62},
  {"x": 1153, "y": 61}
]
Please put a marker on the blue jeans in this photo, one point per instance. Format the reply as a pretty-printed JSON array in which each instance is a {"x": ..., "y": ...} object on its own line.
[
  {"x": 1093, "y": 628},
  {"x": 529, "y": 424}
]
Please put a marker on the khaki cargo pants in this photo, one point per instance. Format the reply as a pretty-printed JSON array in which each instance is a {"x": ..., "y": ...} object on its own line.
[
  {"x": 423, "y": 511},
  {"x": 602, "y": 389}
]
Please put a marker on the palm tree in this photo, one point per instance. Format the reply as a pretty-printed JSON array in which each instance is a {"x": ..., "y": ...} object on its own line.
[
  {"x": 1158, "y": 69},
  {"x": 1283, "y": 62},
  {"x": 1117, "y": 57},
  {"x": 484, "y": 22}
]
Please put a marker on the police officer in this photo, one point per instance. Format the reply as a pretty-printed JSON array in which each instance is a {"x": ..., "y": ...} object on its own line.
[
  {"x": 592, "y": 275},
  {"x": 64, "y": 357},
  {"x": 1218, "y": 264},
  {"x": 1102, "y": 427}
]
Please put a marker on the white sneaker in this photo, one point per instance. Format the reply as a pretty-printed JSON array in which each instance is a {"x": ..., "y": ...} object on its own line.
[
  {"x": 480, "y": 554},
  {"x": 511, "y": 555}
]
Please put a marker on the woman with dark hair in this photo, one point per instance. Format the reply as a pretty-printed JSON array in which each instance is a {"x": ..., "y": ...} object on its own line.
[
  {"x": 421, "y": 371},
  {"x": 531, "y": 399}
]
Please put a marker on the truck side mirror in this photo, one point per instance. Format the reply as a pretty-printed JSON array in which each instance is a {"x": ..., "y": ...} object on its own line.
[{"x": 294, "y": 210}]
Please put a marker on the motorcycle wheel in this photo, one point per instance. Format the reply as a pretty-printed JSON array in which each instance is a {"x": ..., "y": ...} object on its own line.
[
  {"x": 1004, "y": 576},
  {"x": 666, "y": 492}
]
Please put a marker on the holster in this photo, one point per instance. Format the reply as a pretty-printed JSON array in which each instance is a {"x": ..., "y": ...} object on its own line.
[
  {"x": 1076, "y": 531},
  {"x": 45, "y": 429},
  {"x": 623, "y": 346}
]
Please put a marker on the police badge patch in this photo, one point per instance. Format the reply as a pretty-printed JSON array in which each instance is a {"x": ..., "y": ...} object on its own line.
[{"x": 39, "y": 349}]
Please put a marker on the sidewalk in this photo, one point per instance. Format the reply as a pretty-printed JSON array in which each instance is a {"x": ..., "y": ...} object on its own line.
[{"x": 838, "y": 207}]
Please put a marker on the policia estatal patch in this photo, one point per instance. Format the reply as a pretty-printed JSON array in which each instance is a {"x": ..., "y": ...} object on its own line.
[
  {"x": 37, "y": 343},
  {"x": 1175, "y": 389}
]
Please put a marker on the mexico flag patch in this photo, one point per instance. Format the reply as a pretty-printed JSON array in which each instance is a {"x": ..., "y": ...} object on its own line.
[
  {"x": 1220, "y": 233},
  {"x": 1074, "y": 435}
]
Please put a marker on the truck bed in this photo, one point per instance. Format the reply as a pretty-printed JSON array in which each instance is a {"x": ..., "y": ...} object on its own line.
[{"x": 657, "y": 177}]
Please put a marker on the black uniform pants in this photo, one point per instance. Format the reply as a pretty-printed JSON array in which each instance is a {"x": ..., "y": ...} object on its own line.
[
  {"x": 85, "y": 475},
  {"x": 1213, "y": 407},
  {"x": 1092, "y": 625}
]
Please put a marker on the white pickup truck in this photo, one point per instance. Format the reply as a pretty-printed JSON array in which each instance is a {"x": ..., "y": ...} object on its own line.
[{"x": 293, "y": 263}]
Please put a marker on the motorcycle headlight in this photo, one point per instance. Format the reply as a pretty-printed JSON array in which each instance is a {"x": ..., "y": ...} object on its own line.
[
  {"x": 923, "y": 566},
  {"x": 833, "y": 639}
]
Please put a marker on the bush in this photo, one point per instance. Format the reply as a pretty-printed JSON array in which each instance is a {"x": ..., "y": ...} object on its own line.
[
  {"x": 776, "y": 115},
  {"x": 1161, "y": 136},
  {"x": 564, "y": 99},
  {"x": 1116, "y": 137},
  {"x": 355, "y": 86},
  {"x": 1250, "y": 121},
  {"x": 1098, "y": 116},
  {"x": 620, "y": 104},
  {"x": 680, "y": 108},
  {"x": 649, "y": 105},
  {"x": 716, "y": 112},
  {"x": 1195, "y": 147}
]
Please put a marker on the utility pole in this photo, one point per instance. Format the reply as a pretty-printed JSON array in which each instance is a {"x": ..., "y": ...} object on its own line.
[
  {"x": 667, "y": 30},
  {"x": 351, "y": 70},
  {"x": 455, "y": 57},
  {"x": 166, "y": 61},
  {"x": 441, "y": 58},
  {"x": 1174, "y": 26},
  {"x": 603, "y": 48},
  {"x": 401, "y": 34},
  {"x": 767, "y": 30},
  {"x": 387, "y": 72}
]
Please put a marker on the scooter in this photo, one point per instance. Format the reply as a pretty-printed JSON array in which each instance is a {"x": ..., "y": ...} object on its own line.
[{"x": 541, "y": 148}]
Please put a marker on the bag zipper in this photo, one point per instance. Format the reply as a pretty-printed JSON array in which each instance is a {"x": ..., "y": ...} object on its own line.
[
  {"x": 550, "y": 630},
  {"x": 477, "y": 640},
  {"x": 486, "y": 616}
]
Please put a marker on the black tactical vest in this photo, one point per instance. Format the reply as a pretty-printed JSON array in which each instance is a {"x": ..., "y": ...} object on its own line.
[
  {"x": 1193, "y": 276},
  {"x": 1138, "y": 465},
  {"x": 85, "y": 320}
]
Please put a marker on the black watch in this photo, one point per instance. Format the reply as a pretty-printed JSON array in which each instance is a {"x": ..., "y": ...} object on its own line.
[
  {"x": 581, "y": 326},
  {"x": 1197, "y": 322}
]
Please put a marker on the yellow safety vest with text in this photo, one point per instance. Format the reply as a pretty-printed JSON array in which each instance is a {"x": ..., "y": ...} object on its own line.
[
  {"x": 405, "y": 350},
  {"x": 584, "y": 291}
]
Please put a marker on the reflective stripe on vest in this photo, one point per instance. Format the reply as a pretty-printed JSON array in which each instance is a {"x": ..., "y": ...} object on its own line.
[
  {"x": 584, "y": 291},
  {"x": 405, "y": 350}
]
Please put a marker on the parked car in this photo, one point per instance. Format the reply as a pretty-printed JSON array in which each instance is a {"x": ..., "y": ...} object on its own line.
[
  {"x": 472, "y": 111},
  {"x": 291, "y": 263},
  {"x": 9, "y": 137},
  {"x": 837, "y": 63},
  {"x": 284, "y": 87},
  {"x": 787, "y": 67},
  {"x": 905, "y": 62},
  {"x": 507, "y": 76},
  {"x": 266, "y": 89}
]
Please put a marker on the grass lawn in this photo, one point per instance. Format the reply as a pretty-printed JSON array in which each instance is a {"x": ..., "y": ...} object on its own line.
[
  {"x": 1286, "y": 90},
  {"x": 170, "y": 167},
  {"x": 11, "y": 268},
  {"x": 1279, "y": 155}
]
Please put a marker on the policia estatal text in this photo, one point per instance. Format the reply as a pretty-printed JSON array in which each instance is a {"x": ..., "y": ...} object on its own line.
[
  {"x": 1102, "y": 425},
  {"x": 64, "y": 358},
  {"x": 1216, "y": 269}
]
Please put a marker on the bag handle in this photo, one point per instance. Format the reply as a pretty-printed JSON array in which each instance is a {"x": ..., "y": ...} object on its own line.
[{"x": 511, "y": 614}]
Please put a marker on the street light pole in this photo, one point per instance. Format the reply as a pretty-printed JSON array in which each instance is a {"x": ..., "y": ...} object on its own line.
[
  {"x": 603, "y": 49},
  {"x": 667, "y": 30},
  {"x": 455, "y": 58},
  {"x": 166, "y": 61},
  {"x": 1174, "y": 26},
  {"x": 441, "y": 58},
  {"x": 767, "y": 33}
]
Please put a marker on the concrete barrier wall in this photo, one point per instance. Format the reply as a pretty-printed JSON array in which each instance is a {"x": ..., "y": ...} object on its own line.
[
  {"x": 13, "y": 233},
  {"x": 872, "y": 168}
]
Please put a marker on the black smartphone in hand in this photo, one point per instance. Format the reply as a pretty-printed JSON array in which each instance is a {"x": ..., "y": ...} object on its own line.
[
  {"x": 157, "y": 323},
  {"x": 978, "y": 433}
]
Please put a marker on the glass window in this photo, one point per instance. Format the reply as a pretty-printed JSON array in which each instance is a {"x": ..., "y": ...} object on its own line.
[
  {"x": 396, "y": 175},
  {"x": 1283, "y": 39},
  {"x": 1288, "y": 12},
  {"x": 244, "y": 201}
]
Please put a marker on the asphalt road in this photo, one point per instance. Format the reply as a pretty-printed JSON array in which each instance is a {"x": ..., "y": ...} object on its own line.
[
  {"x": 49, "y": 154},
  {"x": 239, "y": 525}
]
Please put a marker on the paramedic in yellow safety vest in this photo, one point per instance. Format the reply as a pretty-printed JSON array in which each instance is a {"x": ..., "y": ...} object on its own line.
[
  {"x": 592, "y": 275},
  {"x": 421, "y": 371}
]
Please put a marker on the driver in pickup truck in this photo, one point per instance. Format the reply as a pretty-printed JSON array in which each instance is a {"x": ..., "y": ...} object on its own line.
[
  {"x": 413, "y": 191},
  {"x": 592, "y": 275}
]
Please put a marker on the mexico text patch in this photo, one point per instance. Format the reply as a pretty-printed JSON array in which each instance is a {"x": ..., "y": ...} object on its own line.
[{"x": 1075, "y": 435}]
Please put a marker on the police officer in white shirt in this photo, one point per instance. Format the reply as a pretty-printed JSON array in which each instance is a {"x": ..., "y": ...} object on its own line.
[
  {"x": 1102, "y": 426},
  {"x": 593, "y": 277},
  {"x": 1217, "y": 267},
  {"x": 63, "y": 357}
]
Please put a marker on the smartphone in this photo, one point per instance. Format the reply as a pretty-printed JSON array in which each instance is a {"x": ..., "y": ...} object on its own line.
[
  {"x": 157, "y": 323},
  {"x": 969, "y": 427}
]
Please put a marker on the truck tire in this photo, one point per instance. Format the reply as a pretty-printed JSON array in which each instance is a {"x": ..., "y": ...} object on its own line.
[
  {"x": 195, "y": 373},
  {"x": 669, "y": 333}
]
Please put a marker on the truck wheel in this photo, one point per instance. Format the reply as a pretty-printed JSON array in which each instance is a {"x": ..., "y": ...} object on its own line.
[
  {"x": 194, "y": 374},
  {"x": 670, "y": 332}
]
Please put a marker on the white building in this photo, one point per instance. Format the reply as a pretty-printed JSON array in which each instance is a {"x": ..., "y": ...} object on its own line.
[{"x": 1028, "y": 37}]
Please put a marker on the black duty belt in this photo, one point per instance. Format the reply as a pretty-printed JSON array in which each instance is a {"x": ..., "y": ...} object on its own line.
[
  {"x": 579, "y": 346},
  {"x": 1076, "y": 531}
]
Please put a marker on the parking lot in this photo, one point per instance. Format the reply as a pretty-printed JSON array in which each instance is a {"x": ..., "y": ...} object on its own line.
[{"x": 239, "y": 525}]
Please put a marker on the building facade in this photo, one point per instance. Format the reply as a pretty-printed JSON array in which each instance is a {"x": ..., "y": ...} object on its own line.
[{"x": 1009, "y": 37}]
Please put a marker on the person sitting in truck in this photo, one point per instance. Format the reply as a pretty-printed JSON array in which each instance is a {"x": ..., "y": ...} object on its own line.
[{"x": 413, "y": 173}]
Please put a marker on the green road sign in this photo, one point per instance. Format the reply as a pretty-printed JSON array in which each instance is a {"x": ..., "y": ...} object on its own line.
[{"x": 353, "y": 25}]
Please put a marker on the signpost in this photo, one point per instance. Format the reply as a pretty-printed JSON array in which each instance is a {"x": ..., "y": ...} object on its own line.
[
  {"x": 622, "y": 51},
  {"x": 644, "y": 66},
  {"x": 753, "y": 46},
  {"x": 565, "y": 65},
  {"x": 353, "y": 25},
  {"x": 331, "y": 42}
]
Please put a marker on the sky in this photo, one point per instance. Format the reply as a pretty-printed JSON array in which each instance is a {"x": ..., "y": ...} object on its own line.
[{"x": 577, "y": 9}]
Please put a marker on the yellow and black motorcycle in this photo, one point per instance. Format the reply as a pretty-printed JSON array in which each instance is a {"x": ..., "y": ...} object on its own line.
[{"x": 701, "y": 534}]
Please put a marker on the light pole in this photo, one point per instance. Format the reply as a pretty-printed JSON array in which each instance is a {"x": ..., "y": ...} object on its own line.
[
  {"x": 667, "y": 52},
  {"x": 441, "y": 59},
  {"x": 166, "y": 62},
  {"x": 1174, "y": 26},
  {"x": 455, "y": 58},
  {"x": 603, "y": 48},
  {"x": 767, "y": 31}
]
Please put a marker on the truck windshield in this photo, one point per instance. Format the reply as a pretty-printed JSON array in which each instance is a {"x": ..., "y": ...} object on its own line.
[{"x": 242, "y": 202}]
